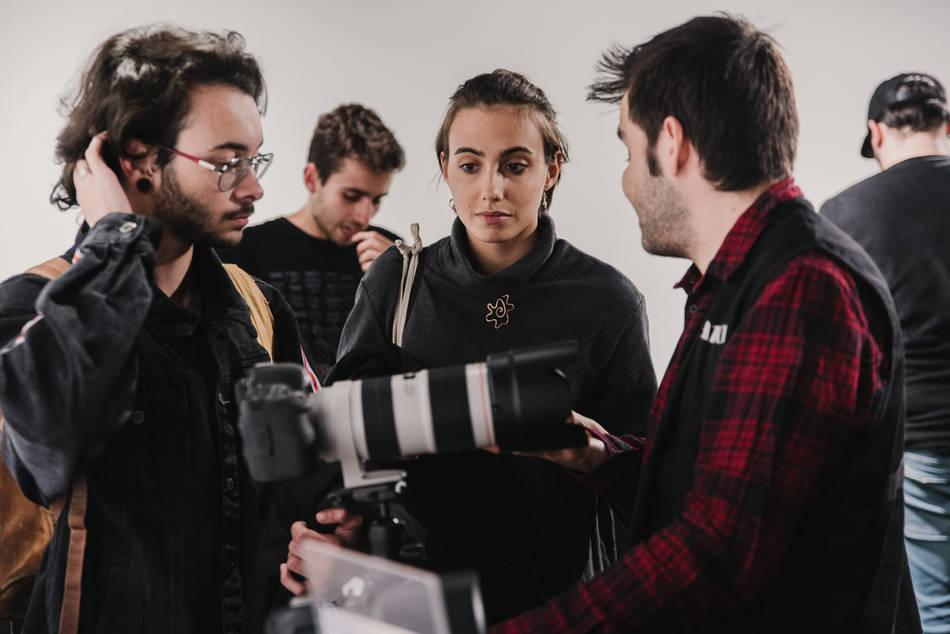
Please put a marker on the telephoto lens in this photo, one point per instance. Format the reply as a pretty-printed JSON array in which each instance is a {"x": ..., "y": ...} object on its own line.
[
  {"x": 531, "y": 398},
  {"x": 516, "y": 400}
]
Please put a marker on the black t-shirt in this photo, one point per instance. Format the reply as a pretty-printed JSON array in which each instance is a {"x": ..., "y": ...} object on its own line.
[
  {"x": 901, "y": 217},
  {"x": 317, "y": 277}
]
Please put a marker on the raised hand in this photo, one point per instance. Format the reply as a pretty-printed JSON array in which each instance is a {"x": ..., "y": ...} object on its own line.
[
  {"x": 98, "y": 190},
  {"x": 369, "y": 245}
]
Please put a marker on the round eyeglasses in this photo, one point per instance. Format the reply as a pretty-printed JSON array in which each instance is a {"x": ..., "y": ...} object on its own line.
[{"x": 233, "y": 171}]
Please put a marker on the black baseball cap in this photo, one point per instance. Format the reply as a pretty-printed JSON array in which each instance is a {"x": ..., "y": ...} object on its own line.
[{"x": 901, "y": 89}]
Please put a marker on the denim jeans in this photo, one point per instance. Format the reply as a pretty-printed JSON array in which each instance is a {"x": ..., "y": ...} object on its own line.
[{"x": 927, "y": 535}]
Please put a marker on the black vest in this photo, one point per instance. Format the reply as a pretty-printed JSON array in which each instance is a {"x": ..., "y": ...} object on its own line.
[{"x": 845, "y": 569}]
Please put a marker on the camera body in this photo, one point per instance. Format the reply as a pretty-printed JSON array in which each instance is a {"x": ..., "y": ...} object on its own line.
[{"x": 516, "y": 400}]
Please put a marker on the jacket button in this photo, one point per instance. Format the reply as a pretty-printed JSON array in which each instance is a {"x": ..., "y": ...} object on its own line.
[
  {"x": 138, "y": 417},
  {"x": 229, "y": 484},
  {"x": 692, "y": 308}
]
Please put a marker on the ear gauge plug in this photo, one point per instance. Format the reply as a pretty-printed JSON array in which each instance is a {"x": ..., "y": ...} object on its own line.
[{"x": 144, "y": 185}]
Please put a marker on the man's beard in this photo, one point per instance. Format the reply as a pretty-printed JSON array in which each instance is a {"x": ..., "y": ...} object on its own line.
[
  {"x": 664, "y": 219},
  {"x": 188, "y": 219}
]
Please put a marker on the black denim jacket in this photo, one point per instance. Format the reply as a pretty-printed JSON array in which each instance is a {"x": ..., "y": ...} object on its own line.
[{"x": 116, "y": 380}]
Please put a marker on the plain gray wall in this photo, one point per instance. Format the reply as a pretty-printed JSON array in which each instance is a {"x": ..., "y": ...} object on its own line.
[{"x": 405, "y": 58}]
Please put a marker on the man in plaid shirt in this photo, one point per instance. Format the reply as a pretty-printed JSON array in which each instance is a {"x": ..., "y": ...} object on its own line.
[{"x": 766, "y": 496}]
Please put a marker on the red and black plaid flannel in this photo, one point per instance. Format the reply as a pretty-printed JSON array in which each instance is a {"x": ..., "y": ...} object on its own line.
[{"x": 768, "y": 369}]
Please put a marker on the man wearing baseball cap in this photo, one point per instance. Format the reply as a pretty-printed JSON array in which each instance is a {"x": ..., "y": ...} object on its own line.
[{"x": 901, "y": 217}]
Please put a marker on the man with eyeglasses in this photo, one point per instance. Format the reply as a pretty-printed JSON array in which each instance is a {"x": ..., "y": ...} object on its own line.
[
  {"x": 121, "y": 371},
  {"x": 316, "y": 256}
]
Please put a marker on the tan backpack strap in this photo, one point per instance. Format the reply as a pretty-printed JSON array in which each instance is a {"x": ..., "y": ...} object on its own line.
[
  {"x": 261, "y": 316},
  {"x": 72, "y": 584},
  {"x": 51, "y": 268}
]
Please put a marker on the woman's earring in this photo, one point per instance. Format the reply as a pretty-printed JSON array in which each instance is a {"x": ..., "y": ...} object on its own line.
[
  {"x": 544, "y": 202},
  {"x": 452, "y": 204},
  {"x": 144, "y": 185}
]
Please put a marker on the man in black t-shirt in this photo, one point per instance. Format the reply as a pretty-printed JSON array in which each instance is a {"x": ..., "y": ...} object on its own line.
[
  {"x": 316, "y": 256},
  {"x": 902, "y": 219}
]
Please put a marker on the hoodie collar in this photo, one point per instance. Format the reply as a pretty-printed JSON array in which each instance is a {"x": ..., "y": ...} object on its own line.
[{"x": 460, "y": 259}]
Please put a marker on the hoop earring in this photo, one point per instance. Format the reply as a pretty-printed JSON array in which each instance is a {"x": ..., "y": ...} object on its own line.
[
  {"x": 144, "y": 185},
  {"x": 452, "y": 205}
]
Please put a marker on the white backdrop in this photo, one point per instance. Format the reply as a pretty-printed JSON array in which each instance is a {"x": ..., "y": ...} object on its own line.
[{"x": 405, "y": 58}]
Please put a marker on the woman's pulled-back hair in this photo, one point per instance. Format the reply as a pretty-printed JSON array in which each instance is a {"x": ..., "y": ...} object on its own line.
[
  {"x": 137, "y": 87},
  {"x": 506, "y": 88}
]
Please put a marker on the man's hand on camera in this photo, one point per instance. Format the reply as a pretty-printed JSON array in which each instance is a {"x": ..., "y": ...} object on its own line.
[
  {"x": 346, "y": 535},
  {"x": 580, "y": 459},
  {"x": 98, "y": 191}
]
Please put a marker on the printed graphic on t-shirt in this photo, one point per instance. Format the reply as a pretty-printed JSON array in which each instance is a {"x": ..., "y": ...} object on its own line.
[{"x": 322, "y": 301}]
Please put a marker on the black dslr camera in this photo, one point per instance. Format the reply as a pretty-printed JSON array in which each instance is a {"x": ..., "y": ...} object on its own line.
[{"x": 516, "y": 400}]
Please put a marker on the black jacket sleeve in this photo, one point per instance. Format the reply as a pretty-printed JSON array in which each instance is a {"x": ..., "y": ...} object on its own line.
[
  {"x": 627, "y": 384},
  {"x": 67, "y": 370}
]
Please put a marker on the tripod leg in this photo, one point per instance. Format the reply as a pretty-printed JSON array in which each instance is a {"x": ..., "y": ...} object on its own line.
[{"x": 384, "y": 537}]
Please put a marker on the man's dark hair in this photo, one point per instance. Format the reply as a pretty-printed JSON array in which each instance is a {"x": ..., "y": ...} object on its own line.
[
  {"x": 725, "y": 82},
  {"x": 920, "y": 115},
  {"x": 137, "y": 87},
  {"x": 506, "y": 88},
  {"x": 354, "y": 131}
]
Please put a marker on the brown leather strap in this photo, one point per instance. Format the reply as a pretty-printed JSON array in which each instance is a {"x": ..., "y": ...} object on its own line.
[
  {"x": 72, "y": 585},
  {"x": 25, "y": 530},
  {"x": 76, "y": 520},
  {"x": 56, "y": 507},
  {"x": 51, "y": 268}
]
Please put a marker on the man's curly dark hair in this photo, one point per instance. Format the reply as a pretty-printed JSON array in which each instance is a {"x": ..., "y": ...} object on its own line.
[
  {"x": 137, "y": 87},
  {"x": 353, "y": 131}
]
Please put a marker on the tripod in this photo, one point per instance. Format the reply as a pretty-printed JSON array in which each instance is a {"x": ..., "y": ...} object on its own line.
[{"x": 393, "y": 531}]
